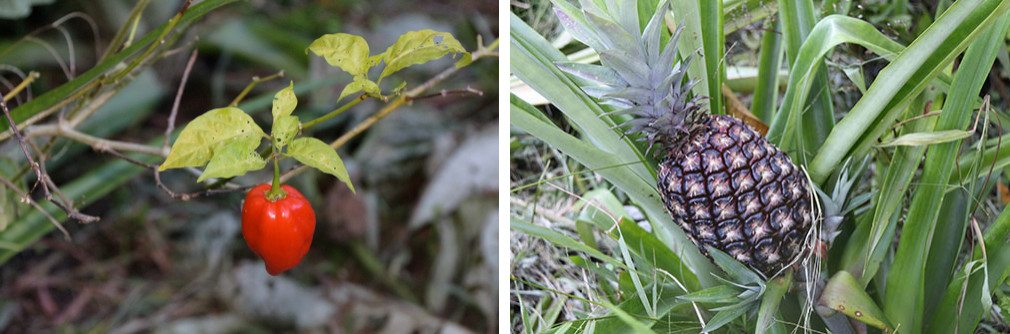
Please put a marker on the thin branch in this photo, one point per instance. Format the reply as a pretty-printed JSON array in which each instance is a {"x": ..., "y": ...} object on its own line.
[
  {"x": 334, "y": 113},
  {"x": 178, "y": 99},
  {"x": 115, "y": 153},
  {"x": 189, "y": 196},
  {"x": 79, "y": 115},
  {"x": 43, "y": 177},
  {"x": 21, "y": 86},
  {"x": 96, "y": 143},
  {"x": 447, "y": 92},
  {"x": 24, "y": 197},
  {"x": 255, "y": 81}
]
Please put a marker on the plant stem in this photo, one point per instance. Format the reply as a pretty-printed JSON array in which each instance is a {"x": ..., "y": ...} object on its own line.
[
  {"x": 99, "y": 144},
  {"x": 336, "y": 112},
  {"x": 276, "y": 192},
  {"x": 249, "y": 87},
  {"x": 21, "y": 86}
]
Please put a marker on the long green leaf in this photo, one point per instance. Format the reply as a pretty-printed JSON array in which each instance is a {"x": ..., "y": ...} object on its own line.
[
  {"x": 533, "y": 60},
  {"x": 713, "y": 44},
  {"x": 637, "y": 189},
  {"x": 827, "y": 34},
  {"x": 907, "y": 75},
  {"x": 893, "y": 189},
  {"x": 51, "y": 98},
  {"x": 562, "y": 240},
  {"x": 766, "y": 91},
  {"x": 905, "y": 294},
  {"x": 960, "y": 311},
  {"x": 685, "y": 12},
  {"x": 798, "y": 18}
]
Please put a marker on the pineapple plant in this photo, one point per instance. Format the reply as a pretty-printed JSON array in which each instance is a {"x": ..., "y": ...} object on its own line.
[
  {"x": 910, "y": 239},
  {"x": 720, "y": 180}
]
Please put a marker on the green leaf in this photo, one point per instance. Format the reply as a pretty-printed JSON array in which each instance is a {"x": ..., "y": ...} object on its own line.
[
  {"x": 11, "y": 206},
  {"x": 418, "y": 47},
  {"x": 111, "y": 64},
  {"x": 927, "y": 138},
  {"x": 905, "y": 295},
  {"x": 718, "y": 294},
  {"x": 233, "y": 159},
  {"x": 316, "y": 153},
  {"x": 346, "y": 51},
  {"x": 892, "y": 192},
  {"x": 284, "y": 130},
  {"x": 776, "y": 288},
  {"x": 360, "y": 84},
  {"x": 960, "y": 310},
  {"x": 285, "y": 102},
  {"x": 724, "y": 317},
  {"x": 200, "y": 140},
  {"x": 908, "y": 74}
]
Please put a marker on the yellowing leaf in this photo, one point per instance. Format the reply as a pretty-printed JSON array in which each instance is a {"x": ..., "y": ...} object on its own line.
[
  {"x": 346, "y": 51},
  {"x": 284, "y": 102},
  {"x": 201, "y": 138},
  {"x": 284, "y": 129},
  {"x": 360, "y": 84},
  {"x": 417, "y": 47},
  {"x": 316, "y": 153},
  {"x": 927, "y": 138},
  {"x": 233, "y": 159}
]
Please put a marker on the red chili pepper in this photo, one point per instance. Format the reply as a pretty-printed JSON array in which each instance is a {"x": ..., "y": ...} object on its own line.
[{"x": 279, "y": 231}]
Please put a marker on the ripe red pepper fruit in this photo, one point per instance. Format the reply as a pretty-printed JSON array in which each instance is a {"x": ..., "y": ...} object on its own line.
[{"x": 279, "y": 231}]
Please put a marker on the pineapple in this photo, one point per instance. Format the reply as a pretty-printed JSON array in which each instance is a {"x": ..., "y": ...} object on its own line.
[{"x": 721, "y": 181}]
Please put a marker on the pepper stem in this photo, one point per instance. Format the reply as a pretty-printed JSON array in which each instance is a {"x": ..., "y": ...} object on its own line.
[{"x": 276, "y": 192}]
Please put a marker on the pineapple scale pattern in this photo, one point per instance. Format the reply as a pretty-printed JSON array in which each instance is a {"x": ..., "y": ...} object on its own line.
[{"x": 729, "y": 188}]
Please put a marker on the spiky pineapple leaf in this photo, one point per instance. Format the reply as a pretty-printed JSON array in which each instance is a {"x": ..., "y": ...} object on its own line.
[
  {"x": 724, "y": 317},
  {"x": 718, "y": 294},
  {"x": 595, "y": 73},
  {"x": 736, "y": 270},
  {"x": 633, "y": 71},
  {"x": 614, "y": 37},
  {"x": 777, "y": 288},
  {"x": 575, "y": 23}
]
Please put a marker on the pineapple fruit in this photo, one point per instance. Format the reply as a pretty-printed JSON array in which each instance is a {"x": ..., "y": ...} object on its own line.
[{"x": 721, "y": 181}]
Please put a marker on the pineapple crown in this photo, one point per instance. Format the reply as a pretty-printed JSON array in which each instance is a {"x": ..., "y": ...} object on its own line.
[{"x": 639, "y": 77}]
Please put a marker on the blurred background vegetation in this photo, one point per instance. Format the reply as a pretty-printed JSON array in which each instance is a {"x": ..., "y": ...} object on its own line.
[{"x": 390, "y": 259}]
